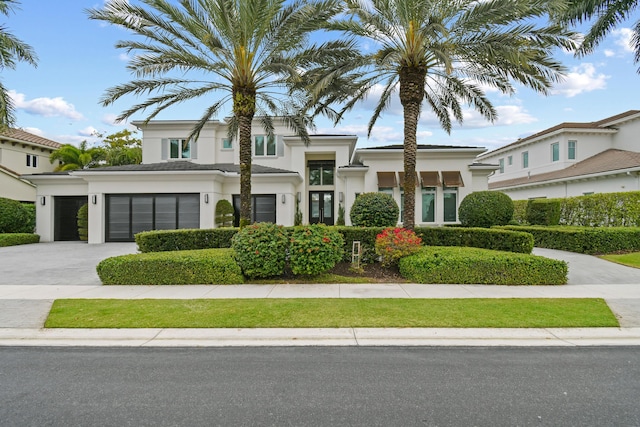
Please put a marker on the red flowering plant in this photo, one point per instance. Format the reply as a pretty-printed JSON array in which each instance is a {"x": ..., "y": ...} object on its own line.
[{"x": 395, "y": 243}]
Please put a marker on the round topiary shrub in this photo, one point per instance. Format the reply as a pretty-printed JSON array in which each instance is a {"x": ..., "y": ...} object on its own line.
[
  {"x": 261, "y": 249},
  {"x": 314, "y": 249},
  {"x": 374, "y": 210},
  {"x": 485, "y": 209},
  {"x": 83, "y": 222},
  {"x": 15, "y": 217}
]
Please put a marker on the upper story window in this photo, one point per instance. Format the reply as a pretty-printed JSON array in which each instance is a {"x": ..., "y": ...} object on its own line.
[
  {"x": 555, "y": 151},
  {"x": 321, "y": 172},
  {"x": 571, "y": 150},
  {"x": 179, "y": 149},
  {"x": 227, "y": 144},
  {"x": 32, "y": 160},
  {"x": 501, "y": 163},
  {"x": 264, "y": 145},
  {"x": 525, "y": 160},
  {"x": 510, "y": 160}
]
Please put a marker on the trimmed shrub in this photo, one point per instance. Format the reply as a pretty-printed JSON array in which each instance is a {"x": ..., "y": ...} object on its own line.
[
  {"x": 184, "y": 239},
  {"x": 519, "y": 212},
  {"x": 602, "y": 210},
  {"x": 15, "y": 217},
  {"x": 395, "y": 243},
  {"x": 585, "y": 240},
  {"x": 543, "y": 212},
  {"x": 496, "y": 239},
  {"x": 367, "y": 238},
  {"x": 261, "y": 249},
  {"x": 374, "y": 210},
  {"x": 481, "y": 266},
  {"x": 83, "y": 222},
  {"x": 485, "y": 209},
  {"x": 314, "y": 249},
  {"x": 13, "y": 239},
  {"x": 199, "y": 267},
  {"x": 31, "y": 215},
  {"x": 224, "y": 213}
]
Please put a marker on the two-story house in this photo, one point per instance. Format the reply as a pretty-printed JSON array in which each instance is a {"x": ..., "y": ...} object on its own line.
[
  {"x": 23, "y": 153},
  {"x": 180, "y": 181},
  {"x": 571, "y": 159}
]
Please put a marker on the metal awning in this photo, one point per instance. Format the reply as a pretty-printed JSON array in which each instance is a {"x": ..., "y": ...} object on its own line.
[
  {"x": 387, "y": 180},
  {"x": 452, "y": 179},
  {"x": 430, "y": 178}
]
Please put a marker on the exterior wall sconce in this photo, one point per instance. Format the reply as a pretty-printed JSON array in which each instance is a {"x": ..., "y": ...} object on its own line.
[
  {"x": 206, "y": 198},
  {"x": 284, "y": 199},
  {"x": 298, "y": 196},
  {"x": 94, "y": 199},
  {"x": 43, "y": 200},
  {"x": 341, "y": 197}
]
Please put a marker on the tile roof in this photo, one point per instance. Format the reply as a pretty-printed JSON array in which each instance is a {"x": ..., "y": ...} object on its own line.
[
  {"x": 186, "y": 166},
  {"x": 600, "y": 124},
  {"x": 21, "y": 135},
  {"x": 606, "y": 161}
]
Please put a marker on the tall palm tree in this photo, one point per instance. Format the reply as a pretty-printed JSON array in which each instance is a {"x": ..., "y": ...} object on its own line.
[
  {"x": 243, "y": 52},
  {"x": 441, "y": 52},
  {"x": 74, "y": 158},
  {"x": 607, "y": 14},
  {"x": 12, "y": 50}
]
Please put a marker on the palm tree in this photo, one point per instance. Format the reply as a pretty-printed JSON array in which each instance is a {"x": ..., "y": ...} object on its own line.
[
  {"x": 608, "y": 14},
  {"x": 246, "y": 53},
  {"x": 442, "y": 52},
  {"x": 12, "y": 50},
  {"x": 74, "y": 158}
]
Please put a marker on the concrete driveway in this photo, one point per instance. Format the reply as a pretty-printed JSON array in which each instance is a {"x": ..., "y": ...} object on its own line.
[{"x": 57, "y": 263}]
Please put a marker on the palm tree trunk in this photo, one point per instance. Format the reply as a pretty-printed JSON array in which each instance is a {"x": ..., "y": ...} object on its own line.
[
  {"x": 411, "y": 96},
  {"x": 244, "y": 105}
]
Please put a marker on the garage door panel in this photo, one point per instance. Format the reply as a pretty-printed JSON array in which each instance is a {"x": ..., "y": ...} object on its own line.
[{"x": 141, "y": 214}]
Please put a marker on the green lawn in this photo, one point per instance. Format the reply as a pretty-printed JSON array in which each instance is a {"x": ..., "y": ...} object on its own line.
[
  {"x": 331, "y": 313},
  {"x": 630, "y": 259}
]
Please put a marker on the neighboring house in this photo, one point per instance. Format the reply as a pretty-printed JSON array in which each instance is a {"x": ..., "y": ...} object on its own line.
[
  {"x": 22, "y": 153},
  {"x": 571, "y": 159},
  {"x": 180, "y": 181}
]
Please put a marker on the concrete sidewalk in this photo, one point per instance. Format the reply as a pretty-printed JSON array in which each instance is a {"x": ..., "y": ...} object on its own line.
[{"x": 26, "y": 298}]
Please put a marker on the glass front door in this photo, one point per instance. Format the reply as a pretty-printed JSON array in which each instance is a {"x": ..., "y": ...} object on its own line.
[{"x": 321, "y": 207}]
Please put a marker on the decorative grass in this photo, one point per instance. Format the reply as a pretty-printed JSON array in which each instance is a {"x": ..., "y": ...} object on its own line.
[
  {"x": 331, "y": 313},
  {"x": 630, "y": 259}
]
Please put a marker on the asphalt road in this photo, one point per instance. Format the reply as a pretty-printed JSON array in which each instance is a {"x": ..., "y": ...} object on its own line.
[{"x": 320, "y": 386}]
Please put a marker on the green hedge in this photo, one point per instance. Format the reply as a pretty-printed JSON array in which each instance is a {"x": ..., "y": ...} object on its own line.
[
  {"x": 13, "y": 239},
  {"x": 543, "y": 212},
  {"x": 198, "y": 267},
  {"x": 481, "y": 266},
  {"x": 496, "y": 239},
  {"x": 602, "y": 210},
  {"x": 585, "y": 240},
  {"x": 184, "y": 239},
  {"x": 519, "y": 212},
  {"x": 367, "y": 238}
]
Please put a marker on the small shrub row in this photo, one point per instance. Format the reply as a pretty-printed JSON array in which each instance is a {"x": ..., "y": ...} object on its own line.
[
  {"x": 184, "y": 239},
  {"x": 197, "y": 267},
  {"x": 585, "y": 240},
  {"x": 453, "y": 265},
  {"x": 13, "y": 239},
  {"x": 16, "y": 217},
  {"x": 486, "y": 238}
]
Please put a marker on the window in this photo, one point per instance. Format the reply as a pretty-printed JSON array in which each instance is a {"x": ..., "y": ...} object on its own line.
[
  {"x": 501, "y": 163},
  {"x": 555, "y": 152},
  {"x": 429, "y": 204},
  {"x": 227, "y": 144},
  {"x": 450, "y": 204},
  {"x": 264, "y": 145},
  {"x": 571, "y": 150},
  {"x": 510, "y": 160},
  {"x": 321, "y": 172},
  {"x": 32, "y": 160},
  {"x": 179, "y": 149},
  {"x": 263, "y": 208},
  {"x": 525, "y": 160}
]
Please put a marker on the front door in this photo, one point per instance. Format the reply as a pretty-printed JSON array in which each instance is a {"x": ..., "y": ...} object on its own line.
[{"x": 321, "y": 207}]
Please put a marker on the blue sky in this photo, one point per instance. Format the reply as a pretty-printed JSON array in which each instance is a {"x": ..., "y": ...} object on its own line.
[{"x": 78, "y": 61}]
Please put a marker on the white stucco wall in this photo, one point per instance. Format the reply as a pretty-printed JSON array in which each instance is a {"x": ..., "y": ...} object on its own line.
[{"x": 603, "y": 184}]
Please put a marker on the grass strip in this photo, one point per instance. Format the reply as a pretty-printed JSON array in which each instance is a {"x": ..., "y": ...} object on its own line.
[
  {"x": 630, "y": 259},
  {"x": 332, "y": 313}
]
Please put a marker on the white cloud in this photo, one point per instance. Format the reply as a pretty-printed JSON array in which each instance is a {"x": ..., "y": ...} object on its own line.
[
  {"x": 507, "y": 115},
  {"x": 111, "y": 120},
  {"x": 46, "y": 107},
  {"x": 380, "y": 135},
  {"x": 34, "y": 131},
  {"x": 622, "y": 38},
  {"x": 582, "y": 78},
  {"x": 123, "y": 57},
  {"x": 609, "y": 53},
  {"x": 89, "y": 131}
]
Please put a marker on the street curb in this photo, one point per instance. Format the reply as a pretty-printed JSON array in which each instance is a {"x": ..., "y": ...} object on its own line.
[{"x": 298, "y": 337}]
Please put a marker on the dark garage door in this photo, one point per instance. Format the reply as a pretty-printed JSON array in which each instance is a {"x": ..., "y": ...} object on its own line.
[
  {"x": 65, "y": 220},
  {"x": 133, "y": 213}
]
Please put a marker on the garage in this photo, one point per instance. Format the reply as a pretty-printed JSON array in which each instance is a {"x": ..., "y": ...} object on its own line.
[
  {"x": 66, "y": 217},
  {"x": 128, "y": 214}
]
